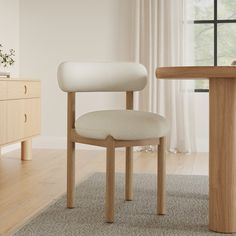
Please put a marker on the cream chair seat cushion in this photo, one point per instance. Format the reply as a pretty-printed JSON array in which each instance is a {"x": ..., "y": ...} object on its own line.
[{"x": 121, "y": 125}]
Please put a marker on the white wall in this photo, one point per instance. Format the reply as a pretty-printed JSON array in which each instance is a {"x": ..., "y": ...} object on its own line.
[
  {"x": 81, "y": 30},
  {"x": 9, "y": 29},
  {"x": 202, "y": 121}
]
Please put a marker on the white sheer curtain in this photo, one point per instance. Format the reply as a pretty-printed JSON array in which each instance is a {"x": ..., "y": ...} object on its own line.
[{"x": 163, "y": 38}]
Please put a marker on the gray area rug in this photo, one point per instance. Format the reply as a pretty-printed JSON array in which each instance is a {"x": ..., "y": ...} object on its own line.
[{"x": 187, "y": 210}]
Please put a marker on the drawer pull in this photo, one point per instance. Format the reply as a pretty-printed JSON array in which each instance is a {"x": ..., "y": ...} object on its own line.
[
  {"x": 25, "y": 118},
  {"x": 25, "y": 87}
]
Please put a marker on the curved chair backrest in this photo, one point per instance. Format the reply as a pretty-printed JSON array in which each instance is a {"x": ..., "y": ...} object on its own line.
[{"x": 101, "y": 77}]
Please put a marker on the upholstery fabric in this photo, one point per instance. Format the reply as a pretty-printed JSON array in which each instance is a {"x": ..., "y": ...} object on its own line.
[
  {"x": 96, "y": 77},
  {"x": 121, "y": 125}
]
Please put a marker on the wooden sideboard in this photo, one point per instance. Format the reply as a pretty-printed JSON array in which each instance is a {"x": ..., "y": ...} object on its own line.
[{"x": 20, "y": 113}]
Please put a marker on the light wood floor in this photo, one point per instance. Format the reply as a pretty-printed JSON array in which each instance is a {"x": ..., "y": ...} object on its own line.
[{"x": 26, "y": 187}]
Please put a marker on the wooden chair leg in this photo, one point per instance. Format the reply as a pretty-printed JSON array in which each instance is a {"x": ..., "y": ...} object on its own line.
[
  {"x": 110, "y": 181},
  {"x": 129, "y": 174},
  {"x": 70, "y": 175},
  {"x": 70, "y": 151},
  {"x": 161, "y": 195}
]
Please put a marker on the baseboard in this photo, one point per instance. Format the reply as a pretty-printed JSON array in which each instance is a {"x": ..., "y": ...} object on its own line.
[
  {"x": 49, "y": 142},
  {"x": 9, "y": 148}
]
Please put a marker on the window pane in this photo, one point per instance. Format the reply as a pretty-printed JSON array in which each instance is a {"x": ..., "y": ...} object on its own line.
[
  {"x": 226, "y": 9},
  {"x": 226, "y": 43},
  {"x": 204, "y": 49},
  {"x": 201, "y": 84},
  {"x": 203, "y": 9},
  {"x": 204, "y": 44}
]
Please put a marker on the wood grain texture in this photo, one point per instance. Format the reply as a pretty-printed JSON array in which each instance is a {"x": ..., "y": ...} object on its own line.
[
  {"x": 110, "y": 180},
  {"x": 196, "y": 72},
  {"x": 130, "y": 100},
  {"x": 23, "y": 89},
  {"x": 70, "y": 151},
  {"x": 26, "y": 150},
  {"x": 20, "y": 113},
  {"x": 129, "y": 174},
  {"x": 3, "y": 122},
  {"x": 133, "y": 143},
  {"x": 23, "y": 119},
  {"x": 75, "y": 137},
  {"x": 32, "y": 117},
  {"x": 19, "y": 79},
  {"x": 222, "y": 165},
  {"x": 3, "y": 90},
  {"x": 129, "y": 156},
  {"x": 15, "y": 120},
  {"x": 161, "y": 177},
  {"x": 118, "y": 143},
  {"x": 110, "y": 145}
]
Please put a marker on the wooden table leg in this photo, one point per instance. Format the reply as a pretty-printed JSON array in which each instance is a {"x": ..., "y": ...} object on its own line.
[
  {"x": 26, "y": 150},
  {"x": 222, "y": 166}
]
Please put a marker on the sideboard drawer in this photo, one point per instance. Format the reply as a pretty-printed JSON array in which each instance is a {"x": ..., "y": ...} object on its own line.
[
  {"x": 15, "y": 120},
  {"x": 23, "y": 119},
  {"x": 3, "y": 90},
  {"x": 23, "y": 89},
  {"x": 32, "y": 121}
]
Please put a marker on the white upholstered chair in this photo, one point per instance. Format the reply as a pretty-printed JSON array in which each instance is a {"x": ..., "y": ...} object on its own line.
[{"x": 111, "y": 128}]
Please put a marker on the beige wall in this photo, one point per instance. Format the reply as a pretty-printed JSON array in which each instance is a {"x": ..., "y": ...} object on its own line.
[
  {"x": 52, "y": 31},
  {"x": 9, "y": 29}
]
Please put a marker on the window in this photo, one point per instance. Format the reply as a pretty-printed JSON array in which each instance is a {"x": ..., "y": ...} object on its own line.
[{"x": 214, "y": 34}]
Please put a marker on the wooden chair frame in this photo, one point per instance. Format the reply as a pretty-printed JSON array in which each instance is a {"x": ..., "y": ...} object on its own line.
[{"x": 110, "y": 144}]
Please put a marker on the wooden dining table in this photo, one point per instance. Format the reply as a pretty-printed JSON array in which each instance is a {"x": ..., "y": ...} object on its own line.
[{"x": 222, "y": 140}]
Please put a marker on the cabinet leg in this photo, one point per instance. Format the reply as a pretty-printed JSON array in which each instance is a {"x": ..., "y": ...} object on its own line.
[{"x": 26, "y": 150}]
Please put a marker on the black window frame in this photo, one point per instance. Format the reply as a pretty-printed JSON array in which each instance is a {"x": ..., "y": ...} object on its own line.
[{"x": 215, "y": 22}]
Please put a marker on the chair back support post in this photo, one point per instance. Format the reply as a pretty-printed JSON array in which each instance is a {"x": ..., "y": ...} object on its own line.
[
  {"x": 70, "y": 114},
  {"x": 70, "y": 150},
  {"x": 129, "y": 100}
]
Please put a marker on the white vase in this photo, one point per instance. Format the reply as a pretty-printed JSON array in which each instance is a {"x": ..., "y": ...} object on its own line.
[{"x": 4, "y": 72}]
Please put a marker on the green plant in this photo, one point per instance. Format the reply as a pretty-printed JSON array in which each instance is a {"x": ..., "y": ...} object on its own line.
[{"x": 6, "y": 59}]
